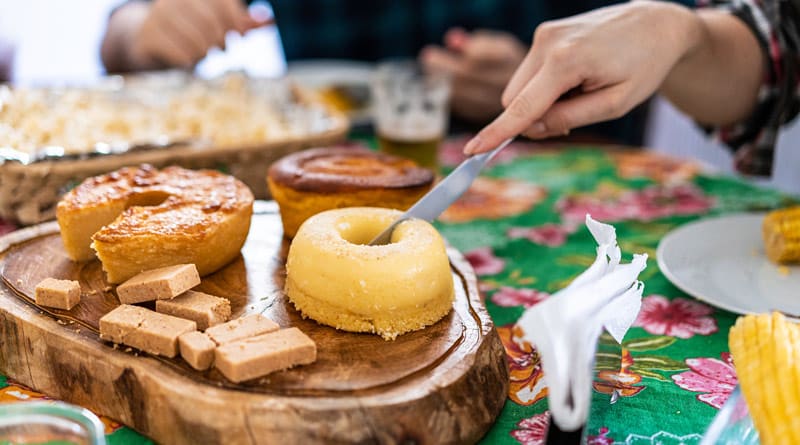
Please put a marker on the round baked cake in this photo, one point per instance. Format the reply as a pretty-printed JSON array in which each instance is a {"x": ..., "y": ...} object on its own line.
[
  {"x": 334, "y": 277},
  {"x": 311, "y": 181},
  {"x": 141, "y": 218}
]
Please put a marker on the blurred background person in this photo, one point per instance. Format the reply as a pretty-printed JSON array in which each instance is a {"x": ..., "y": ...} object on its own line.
[{"x": 480, "y": 43}]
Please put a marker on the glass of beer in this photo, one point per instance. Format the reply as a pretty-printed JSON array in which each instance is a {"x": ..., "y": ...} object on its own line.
[{"x": 411, "y": 110}]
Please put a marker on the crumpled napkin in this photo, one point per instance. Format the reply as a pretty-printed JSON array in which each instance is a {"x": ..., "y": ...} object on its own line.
[{"x": 565, "y": 327}]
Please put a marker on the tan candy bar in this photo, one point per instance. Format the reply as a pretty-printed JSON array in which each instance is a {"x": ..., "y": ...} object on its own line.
[
  {"x": 258, "y": 356},
  {"x": 197, "y": 349},
  {"x": 240, "y": 328},
  {"x": 144, "y": 329},
  {"x": 206, "y": 310},
  {"x": 60, "y": 294},
  {"x": 158, "y": 284}
]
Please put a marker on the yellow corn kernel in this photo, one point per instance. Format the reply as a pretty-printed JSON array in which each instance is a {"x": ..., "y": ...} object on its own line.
[
  {"x": 781, "y": 231},
  {"x": 766, "y": 355}
]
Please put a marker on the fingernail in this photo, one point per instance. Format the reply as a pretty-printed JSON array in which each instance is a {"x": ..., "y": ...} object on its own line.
[
  {"x": 538, "y": 127},
  {"x": 473, "y": 145}
]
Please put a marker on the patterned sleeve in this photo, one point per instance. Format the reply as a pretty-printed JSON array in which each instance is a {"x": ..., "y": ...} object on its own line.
[{"x": 775, "y": 24}]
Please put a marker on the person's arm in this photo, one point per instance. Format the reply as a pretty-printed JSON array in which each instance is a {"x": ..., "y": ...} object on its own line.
[
  {"x": 717, "y": 81},
  {"x": 612, "y": 59},
  {"x": 170, "y": 33}
]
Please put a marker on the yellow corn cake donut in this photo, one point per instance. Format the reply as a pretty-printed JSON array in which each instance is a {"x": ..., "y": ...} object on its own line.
[
  {"x": 311, "y": 181},
  {"x": 141, "y": 218},
  {"x": 335, "y": 278}
]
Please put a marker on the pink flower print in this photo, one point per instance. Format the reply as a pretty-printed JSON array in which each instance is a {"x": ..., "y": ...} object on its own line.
[
  {"x": 550, "y": 235},
  {"x": 714, "y": 378},
  {"x": 451, "y": 152},
  {"x": 678, "y": 317},
  {"x": 600, "y": 439},
  {"x": 533, "y": 430},
  {"x": 484, "y": 262},
  {"x": 509, "y": 296},
  {"x": 658, "y": 201}
]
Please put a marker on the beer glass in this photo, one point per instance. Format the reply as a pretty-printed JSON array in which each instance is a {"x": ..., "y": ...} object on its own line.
[{"x": 411, "y": 110}]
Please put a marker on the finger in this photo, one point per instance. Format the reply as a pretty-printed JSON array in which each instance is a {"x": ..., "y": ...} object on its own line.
[
  {"x": 527, "y": 70},
  {"x": 227, "y": 12},
  {"x": 455, "y": 39},
  {"x": 600, "y": 105},
  {"x": 527, "y": 107},
  {"x": 208, "y": 23},
  {"x": 187, "y": 32},
  {"x": 251, "y": 22},
  {"x": 488, "y": 48},
  {"x": 169, "y": 51},
  {"x": 232, "y": 13},
  {"x": 439, "y": 59},
  {"x": 183, "y": 43}
]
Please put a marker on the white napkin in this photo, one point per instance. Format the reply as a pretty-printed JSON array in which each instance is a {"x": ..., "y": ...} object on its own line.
[{"x": 565, "y": 327}]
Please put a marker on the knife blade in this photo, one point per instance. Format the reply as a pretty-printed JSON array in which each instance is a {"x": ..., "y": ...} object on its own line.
[{"x": 436, "y": 201}]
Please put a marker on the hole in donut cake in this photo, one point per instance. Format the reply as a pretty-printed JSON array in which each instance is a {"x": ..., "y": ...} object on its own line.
[
  {"x": 149, "y": 198},
  {"x": 361, "y": 231}
]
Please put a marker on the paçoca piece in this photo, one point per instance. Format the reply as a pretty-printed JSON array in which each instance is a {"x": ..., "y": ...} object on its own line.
[
  {"x": 243, "y": 327},
  {"x": 144, "y": 329},
  {"x": 197, "y": 349},
  {"x": 206, "y": 310},
  {"x": 260, "y": 355},
  {"x": 59, "y": 294},
  {"x": 158, "y": 284}
]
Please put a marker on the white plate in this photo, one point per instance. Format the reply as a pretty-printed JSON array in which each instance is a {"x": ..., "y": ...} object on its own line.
[
  {"x": 323, "y": 73},
  {"x": 721, "y": 261}
]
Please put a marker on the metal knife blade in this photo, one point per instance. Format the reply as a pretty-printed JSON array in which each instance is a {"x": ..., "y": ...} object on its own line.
[{"x": 445, "y": 193}]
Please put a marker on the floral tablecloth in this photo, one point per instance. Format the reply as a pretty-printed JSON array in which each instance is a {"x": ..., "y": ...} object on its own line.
[{"x": 520, "y": 226}]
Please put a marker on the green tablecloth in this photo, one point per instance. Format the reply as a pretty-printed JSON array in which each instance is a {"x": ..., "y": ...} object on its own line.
[{"x": 520, "y": 226}]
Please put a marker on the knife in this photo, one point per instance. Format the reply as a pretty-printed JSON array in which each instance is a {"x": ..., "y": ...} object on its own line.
[{"x": 440, "y": 197}]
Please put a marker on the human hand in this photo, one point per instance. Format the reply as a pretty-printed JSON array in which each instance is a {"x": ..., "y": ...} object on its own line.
[
  {"x": 178, "y": 33},
  {"x": 481, "y": 64},
  {"x": 609, "y": 60}
]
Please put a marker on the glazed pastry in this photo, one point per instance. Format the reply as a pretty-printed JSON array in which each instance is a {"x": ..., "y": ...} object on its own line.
[
  {"x": 138, "y": 219},
  {"x": 335, "y": 278},
  {"x": 311, "y": 181}
]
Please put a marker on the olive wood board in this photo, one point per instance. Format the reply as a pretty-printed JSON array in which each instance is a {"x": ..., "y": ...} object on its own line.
[{"x": 443, "y": 384}]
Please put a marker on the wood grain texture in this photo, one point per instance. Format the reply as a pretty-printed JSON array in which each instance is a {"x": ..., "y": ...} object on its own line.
[{"x": 443, "y": 384}]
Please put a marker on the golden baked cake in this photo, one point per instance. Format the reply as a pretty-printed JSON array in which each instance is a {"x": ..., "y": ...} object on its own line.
[
  {"x": 335, "y": 278},
  {"x": 311, "y": 181},
  {"x": 141, "y": 218}
]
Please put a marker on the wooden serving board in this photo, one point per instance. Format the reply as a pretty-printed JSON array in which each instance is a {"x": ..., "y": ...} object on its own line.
[{"x": 443, "y": 384}]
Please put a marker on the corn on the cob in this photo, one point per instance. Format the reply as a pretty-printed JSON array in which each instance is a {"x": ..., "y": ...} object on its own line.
[
  {"x": 781, "y": 230},
  {"x": 766, "y": 355}
]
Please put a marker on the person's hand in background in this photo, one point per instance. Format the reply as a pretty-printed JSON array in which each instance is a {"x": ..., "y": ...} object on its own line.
[
  {"x": 612, "y": 59},
  {"x": 481, "y": 64},
  {"x": 171, "y": 33}
]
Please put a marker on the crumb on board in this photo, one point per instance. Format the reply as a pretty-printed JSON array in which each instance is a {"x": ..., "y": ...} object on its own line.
[{"x": 783, "y": 270}]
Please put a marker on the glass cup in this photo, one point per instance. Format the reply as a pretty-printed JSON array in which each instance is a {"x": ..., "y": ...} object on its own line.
[
  {"x": 411, "y": 110},
  {"x": 31, "y": 423},
  {"x": 732, "y": 425}
]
